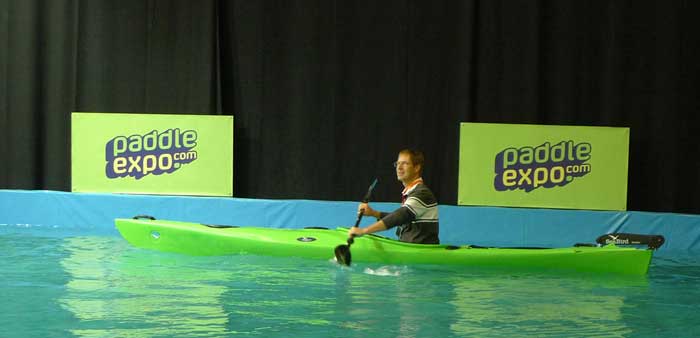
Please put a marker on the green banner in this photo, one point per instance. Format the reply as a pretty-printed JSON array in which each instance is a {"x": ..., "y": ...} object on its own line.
[
  {"x": 568, "y": 167},
  {"x": 152, "y": 154}
]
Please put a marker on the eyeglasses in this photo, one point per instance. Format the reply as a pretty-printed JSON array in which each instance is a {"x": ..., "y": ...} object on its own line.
[{"x": 401, "y": 164}]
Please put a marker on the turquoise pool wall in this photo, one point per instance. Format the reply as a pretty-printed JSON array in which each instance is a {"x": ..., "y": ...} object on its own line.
[{"x": 492, "y": 226}]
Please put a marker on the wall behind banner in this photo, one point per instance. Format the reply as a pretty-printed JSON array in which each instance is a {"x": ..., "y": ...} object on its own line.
[
  {"x": 326, "y": 92},
  {"x": 543, "y": 166},
  {"x": 152, "y": 154}
]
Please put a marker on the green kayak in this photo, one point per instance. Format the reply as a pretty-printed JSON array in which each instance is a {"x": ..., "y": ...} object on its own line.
[{"x": 319, "y": 243}]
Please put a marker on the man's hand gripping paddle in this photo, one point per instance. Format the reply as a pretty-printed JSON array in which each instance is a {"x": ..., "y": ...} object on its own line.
[{"x": 342, "y": 252}]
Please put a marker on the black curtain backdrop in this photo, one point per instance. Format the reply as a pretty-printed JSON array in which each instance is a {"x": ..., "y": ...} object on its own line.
[{"x": 324, "y": 93}]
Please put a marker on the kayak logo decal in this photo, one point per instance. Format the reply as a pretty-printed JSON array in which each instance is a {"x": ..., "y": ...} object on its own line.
[
  {"x": 152, "y": 153},
  {"x": 616, "y": 240},
  {"x": 546, "y": 165}
]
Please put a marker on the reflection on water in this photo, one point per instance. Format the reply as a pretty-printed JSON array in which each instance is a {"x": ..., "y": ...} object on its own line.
[
  {"x": 102, "y": 287},
  {"x": 536, "y": 306},
  {"x": 146, "y": 295},
  {"x": 425, "y": 303}
]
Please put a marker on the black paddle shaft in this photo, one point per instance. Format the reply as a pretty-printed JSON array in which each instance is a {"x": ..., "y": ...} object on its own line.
[
  {"x": 342, "y": 252},
  {"x": 357, "y": 223},
  {"x": 362, "y": 211}
]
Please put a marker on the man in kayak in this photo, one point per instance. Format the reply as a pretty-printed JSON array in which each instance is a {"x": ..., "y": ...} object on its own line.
[{"x": 417, "y": 218}]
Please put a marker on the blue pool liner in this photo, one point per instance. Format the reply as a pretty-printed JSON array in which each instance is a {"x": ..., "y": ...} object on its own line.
[{"x": 489, "y": 226}]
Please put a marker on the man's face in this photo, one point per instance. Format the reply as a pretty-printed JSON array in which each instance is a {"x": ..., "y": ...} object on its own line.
[{"x": 405, "y": 170}]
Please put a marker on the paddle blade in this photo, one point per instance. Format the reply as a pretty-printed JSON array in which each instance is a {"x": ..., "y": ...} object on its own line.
[
  {"x": 369, "y": 191},
  {"x": 342, "y": 254}
]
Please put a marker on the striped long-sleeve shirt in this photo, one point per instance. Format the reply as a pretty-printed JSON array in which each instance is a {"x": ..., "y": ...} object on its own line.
[{"x": 417, "y": 218}]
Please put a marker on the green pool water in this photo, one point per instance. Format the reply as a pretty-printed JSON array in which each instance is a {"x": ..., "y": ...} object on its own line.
[{"x": 99, "y": 286}]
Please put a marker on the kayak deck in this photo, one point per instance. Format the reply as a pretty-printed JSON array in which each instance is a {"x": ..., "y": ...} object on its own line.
[{"x": 199, "y": 239}]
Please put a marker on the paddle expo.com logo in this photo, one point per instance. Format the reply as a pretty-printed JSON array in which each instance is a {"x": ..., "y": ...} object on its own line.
[
  {"x": 151, "y": 153},
  {"x": 529, "y": 168}
]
